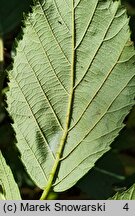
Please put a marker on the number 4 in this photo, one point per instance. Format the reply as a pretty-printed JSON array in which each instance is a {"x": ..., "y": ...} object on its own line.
[{"x": 126, "y": 207}]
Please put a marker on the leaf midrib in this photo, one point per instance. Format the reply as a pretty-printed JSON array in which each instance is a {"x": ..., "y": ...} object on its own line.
[{"x": 68, "y": 115}]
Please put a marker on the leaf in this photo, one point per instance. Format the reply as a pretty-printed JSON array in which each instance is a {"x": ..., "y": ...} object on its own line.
[
  {"x": 71, "y": 86},
  {"x": 126, "y": 195},
  {"x": 8, "y": 187},
  {"x": 1, "y": 68}
]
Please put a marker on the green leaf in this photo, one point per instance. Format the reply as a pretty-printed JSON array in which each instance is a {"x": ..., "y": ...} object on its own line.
[
  {"x": 126, "y": 195},
  {"x": 71, "y": 86},
  {"x": 1, "y": 66},
  {"x": 8, "y": 187}
]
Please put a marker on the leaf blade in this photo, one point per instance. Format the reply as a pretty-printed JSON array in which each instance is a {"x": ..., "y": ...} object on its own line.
[
  {"x": 9, "y": 187},
  {"x": 69, "y": 97}
]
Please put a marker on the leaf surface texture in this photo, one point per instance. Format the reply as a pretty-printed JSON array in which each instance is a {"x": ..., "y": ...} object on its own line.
[{"x": 72, "y": 84}]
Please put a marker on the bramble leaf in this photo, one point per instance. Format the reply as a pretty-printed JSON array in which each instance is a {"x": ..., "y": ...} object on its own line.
[
  {"x": 8, "y": 187},
  {"x": 71, "y": 86}
]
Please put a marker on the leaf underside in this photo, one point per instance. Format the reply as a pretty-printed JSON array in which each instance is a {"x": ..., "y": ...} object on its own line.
[
  {"x": 71, "y": 86},
  {"x": 8, "y": 187}
]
